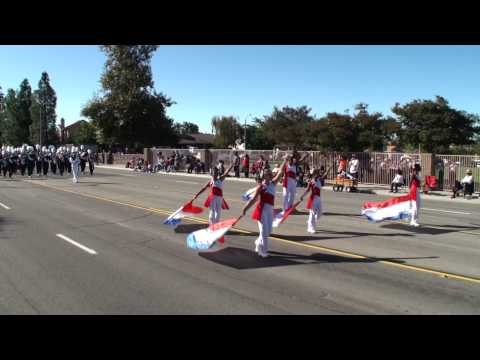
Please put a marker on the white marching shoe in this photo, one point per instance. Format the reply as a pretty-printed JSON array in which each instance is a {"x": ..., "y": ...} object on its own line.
[
  {"x": 311, "y": 231},
  {"x": 414, "y": 223}
]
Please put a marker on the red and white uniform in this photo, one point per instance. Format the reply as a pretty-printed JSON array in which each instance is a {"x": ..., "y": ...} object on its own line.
[
  {"x": 314, "y": 204},
  {"x": 215, "y": 201},
  {"x": 289, "y": 186},
  {"x": 415, "y": 183},
  {"x": 264, "y": 215}
]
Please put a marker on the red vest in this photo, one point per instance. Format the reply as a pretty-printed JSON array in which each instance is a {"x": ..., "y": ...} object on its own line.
[
  {"x": 315, "y": 192},
  {"x": 265, "y": 198},
  {"x": 215, "y": 191}
]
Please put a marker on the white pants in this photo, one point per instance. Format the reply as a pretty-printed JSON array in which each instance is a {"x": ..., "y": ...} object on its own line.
[
  {"x": 264, "y": 228},
  {"x": 76, "y": 171},
  {"x": 315, "y": 213},
  {"x": 215, "y": 210},
  {"x": 289, "y": 194},
  {"x": 416, "y": 209}
]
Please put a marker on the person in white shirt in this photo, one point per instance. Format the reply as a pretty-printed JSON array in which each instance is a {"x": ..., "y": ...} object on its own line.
[
  {"x": 397, "y": 181},
  {"x": 353, "y": 167},
  {"x": 466, "y": 184}
]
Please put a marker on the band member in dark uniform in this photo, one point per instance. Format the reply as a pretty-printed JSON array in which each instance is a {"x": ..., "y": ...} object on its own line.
[
  {"x": 45, "y": 160},
  {"x": 60, "y": 160},
  {"x": 31, "y": 159},
  {"x": 66, "y": 156},
  {"x": 83, "y": 158},
  {"x": 5, "y": 162},
  {"x": 91, "y": 160},
  {"x": 53, "y": 160},
  {"x": 23, "y": 160},
  {"x": 38, "y": 159},
  {"x": 13, "y": 162}
]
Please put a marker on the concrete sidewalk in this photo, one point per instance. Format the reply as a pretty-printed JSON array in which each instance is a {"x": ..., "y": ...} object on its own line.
[{"x": 374, "y": 189}]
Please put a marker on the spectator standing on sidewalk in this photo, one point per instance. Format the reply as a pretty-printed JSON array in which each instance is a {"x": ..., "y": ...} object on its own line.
[
  {"x": 246, "y": 164},
  {"x": 236, "y": 164}
]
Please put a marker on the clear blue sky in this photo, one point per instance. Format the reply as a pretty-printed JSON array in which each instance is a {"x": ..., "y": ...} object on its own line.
[{"x": 239, "y": 80}]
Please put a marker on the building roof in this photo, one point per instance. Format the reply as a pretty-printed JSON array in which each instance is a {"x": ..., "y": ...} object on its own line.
[
  {"x": 75, "y": 125},
  {"x": 206, "y": 139}
]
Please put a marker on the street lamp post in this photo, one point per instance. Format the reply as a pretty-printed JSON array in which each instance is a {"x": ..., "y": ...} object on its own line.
[{"x": 245, "y": 132}]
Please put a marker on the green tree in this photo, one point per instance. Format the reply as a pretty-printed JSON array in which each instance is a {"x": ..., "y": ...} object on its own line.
[
  {"x": 434, "y": 125},
  {"x": 24, "y": 102},
  {"x": 257, "y": 138},
  {"x": 368, "y": 129},
  {"x": 86, "y": 134},
  {"x": 337, "y": 132},
  {"x": 128, "y": 111},
  {"x": 2, "y": 113},
  {"x": 11, "y": 128},
  {"x": 227, "y": 131},
  {"x": 43, "y": 128},
  {"x": 288, "y": 126},
  {"x": 15, "y": 115},
  {"x": 185, "y": 128}
]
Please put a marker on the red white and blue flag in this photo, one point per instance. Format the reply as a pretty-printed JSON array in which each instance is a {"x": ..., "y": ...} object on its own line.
[
  {"x": 280, "y": 216},
  {"x": 185, "y": 210},
  {"x": 249, "y": 194},
  {"x": 205, "y": 238},
  {"x": 396, "y": 208}
]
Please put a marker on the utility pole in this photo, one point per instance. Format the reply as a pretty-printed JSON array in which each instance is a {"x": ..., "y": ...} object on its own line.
[{"x": 245, "y": 132}]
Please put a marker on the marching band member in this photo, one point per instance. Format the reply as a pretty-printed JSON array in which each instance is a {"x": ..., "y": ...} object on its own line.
[
  {"x": 415, "y": 183},
  {"x": 263, "y": 212},
  {"x": 23, "y": 160},
  {"x": 45, "y": 160},
  {"x": 289, "y": 182},
  {"x": 83, "y": 158},
  {"x": 53, "y": 160},
  {"x": 215, "y": 199},
  {"x": 68, "y": 164},
  {"x": 314, "y": 203},
  {"x": 60, "y": 160},
  {"x": 31, "y": 159},
  {"x": 90, "y": 159},
  {"x": 75, "y": 162},
  {"x": 38, "y": 159}
]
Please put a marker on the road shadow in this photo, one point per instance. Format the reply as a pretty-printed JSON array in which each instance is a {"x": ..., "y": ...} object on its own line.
[
  {"x": 189, "y": 228},
  {"x": 306, "y": 237},
  {"x": 344, "y": 235},
  {"x": 341, "y": 214},
  {"x": 90, "y": 183},
  {"x": 243, "y": 259},
  {"x": 444, "y": 229}
]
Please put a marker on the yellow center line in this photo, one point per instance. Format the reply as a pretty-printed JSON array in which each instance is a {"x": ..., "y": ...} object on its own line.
[{"x": 167, "y": 212}]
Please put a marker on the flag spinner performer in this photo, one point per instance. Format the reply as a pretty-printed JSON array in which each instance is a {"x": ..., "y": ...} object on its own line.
[
  {"x": 289, "y": 182},
  {"x": 215, "y": 201},
  {"x": 415, "y": 184},
  {"x": 263, "y": 212},
  {"x": 314, "y": 203}
]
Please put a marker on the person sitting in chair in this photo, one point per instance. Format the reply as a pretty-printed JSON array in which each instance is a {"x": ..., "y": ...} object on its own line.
[
  {"x": 466, "y": 185},
  {"x": 397, "y": 181}
]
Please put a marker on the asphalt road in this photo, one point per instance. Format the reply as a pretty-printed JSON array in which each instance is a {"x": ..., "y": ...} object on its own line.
[{"x": 99, "y": 247}]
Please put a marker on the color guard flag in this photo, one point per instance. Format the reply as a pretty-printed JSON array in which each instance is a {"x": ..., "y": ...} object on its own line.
[
  {"x": 176, "y": 217},
  {"x": 205, "y": 238},
  {"x": 280, "y": 216},
  {"x": 249, "y": 194},
  {"x": 396, "y": 208}
]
